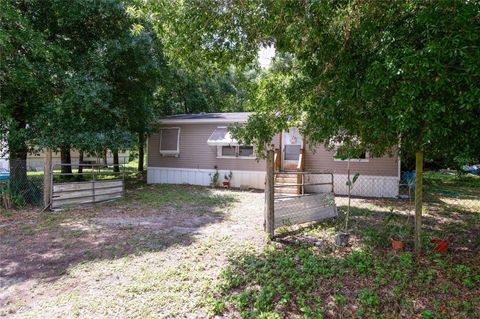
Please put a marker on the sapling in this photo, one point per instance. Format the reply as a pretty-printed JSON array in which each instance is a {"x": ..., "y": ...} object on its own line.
[{"x": 350, "y": 183}]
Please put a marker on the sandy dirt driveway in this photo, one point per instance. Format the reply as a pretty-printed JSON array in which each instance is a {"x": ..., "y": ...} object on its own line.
[{"x": 158, "y": 253}]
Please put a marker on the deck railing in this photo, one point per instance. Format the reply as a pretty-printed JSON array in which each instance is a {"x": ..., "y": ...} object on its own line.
[{"x": 277, "y": 160}]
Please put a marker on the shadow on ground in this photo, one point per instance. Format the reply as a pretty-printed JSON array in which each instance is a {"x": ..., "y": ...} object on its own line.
[
  {"x": 44, "y": 246},
  {"x": 305, "y": 274}
]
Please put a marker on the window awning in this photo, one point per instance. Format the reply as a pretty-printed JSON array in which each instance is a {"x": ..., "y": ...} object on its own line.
[{"x": 221, "y": 137}]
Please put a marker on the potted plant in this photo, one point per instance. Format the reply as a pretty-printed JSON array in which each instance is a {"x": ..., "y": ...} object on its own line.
[
  {"x": 398, "y": 235},
  {"x": 441, "y": 246},
  {"x": 227, "y": 179}
]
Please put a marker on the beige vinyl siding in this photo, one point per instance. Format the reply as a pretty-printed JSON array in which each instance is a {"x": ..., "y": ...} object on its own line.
[
  {"x": 195, "y": 153},
  {"x": 322, "y": 160}
]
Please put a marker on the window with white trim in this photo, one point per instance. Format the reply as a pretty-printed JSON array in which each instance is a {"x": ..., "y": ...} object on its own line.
[
  {"x": 228, "y": 151},
  {"x": 170, "y": 141},
  {"x": 231, "y": 151},
  {"x": 246, "y": 151}
]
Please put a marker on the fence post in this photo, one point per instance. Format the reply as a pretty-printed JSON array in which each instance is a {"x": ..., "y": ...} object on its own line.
[
  {"x": 47, "y": 180},
  {"x": 269, "y": 195},
  {"x": 418, "y": 201}
]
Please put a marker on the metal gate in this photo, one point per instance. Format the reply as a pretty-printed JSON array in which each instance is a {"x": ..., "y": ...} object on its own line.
[
  {"x": 92, "y": 183},
  {"x": 311, "y": 198}
]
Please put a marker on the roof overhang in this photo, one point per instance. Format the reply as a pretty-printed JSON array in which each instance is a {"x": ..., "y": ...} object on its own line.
[
  {"x": 199, "y": 121},
  {"x": 206, "y": 118}
]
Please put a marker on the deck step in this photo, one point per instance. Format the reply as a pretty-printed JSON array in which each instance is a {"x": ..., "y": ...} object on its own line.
[
  {"x": 286, "y": 175},
  {"x": 285, "y": 178},
  {"x": 287, "y": 190}
]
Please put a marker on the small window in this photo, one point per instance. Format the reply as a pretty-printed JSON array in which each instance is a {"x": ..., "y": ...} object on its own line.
[
  {"x": 229, "y": 151},
  {"x": 292, "y": 152},
  {"x": 245, "y": 151},
  {"x": 169, "y": 141}
]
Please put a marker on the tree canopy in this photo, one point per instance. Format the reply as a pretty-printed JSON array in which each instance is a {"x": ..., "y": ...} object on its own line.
[
  {"x": 382, "y": 73},
  {"x": 370, "y": 75}
]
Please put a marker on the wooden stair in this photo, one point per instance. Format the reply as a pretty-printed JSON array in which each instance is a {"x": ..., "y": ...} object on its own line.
[{"x": 284, "y": 178}]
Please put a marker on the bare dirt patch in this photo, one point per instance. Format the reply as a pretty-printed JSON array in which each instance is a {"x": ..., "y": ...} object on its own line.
[{"x": 54, "y": 263}]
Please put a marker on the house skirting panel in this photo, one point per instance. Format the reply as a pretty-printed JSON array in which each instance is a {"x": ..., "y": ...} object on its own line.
[
  {"x": 192, "y": 176},
  {"x": 366, "y": 185}
]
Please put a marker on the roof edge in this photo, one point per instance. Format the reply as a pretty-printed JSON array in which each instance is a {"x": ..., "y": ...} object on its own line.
[{"x": 199, "y": 121}]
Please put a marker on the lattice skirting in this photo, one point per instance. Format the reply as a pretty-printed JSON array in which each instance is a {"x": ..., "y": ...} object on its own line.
[
  {"x": 165, "y": 175},
  {"x": 368, "y": 186}
]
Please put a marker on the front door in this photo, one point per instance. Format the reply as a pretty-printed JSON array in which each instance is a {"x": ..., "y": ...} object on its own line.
[{"x": 292, "y": 142}]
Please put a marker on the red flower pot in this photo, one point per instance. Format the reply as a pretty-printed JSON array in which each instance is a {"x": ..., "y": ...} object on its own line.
[
  {"x": 398, "y": 245},
  {"x": 441, "y": 246},
  {"x": 226, "y": 184}
]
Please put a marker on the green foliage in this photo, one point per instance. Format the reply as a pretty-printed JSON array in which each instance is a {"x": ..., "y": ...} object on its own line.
[
  {"x": 229, "y": 176},
  {"x": 203, "y": 90},
  {"x": 295, "y": 281},
  {"x": 372, "y": 72},
  {"x": 24, "y": 77},
  {"x": 214, "y": 178},
  {"x": 354, "y": 179},
  {"x": 85, "y": 78}
]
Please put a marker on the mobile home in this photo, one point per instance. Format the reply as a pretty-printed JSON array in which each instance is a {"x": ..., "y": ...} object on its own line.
[{"x": 189, "y": 148}]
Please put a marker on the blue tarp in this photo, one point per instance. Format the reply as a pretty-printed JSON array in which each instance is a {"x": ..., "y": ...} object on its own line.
[
  {"x": 408, "y": 179},
  {"x": 4, "y": 175},
  {"x": 474, "y": 169}
]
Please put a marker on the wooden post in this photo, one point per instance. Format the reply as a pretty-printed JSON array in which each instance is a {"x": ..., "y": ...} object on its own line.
[
  {"x": 47, "y": 181},
  {"x": 269, "y": 195},
  {"x": 418, "y": 200}
]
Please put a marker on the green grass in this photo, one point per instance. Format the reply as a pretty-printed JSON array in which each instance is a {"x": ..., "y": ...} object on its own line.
[
  {"x": 434, "y": 178},
  {"x": 178, "y": 196},
  {"x": 130, "y": 271},
  {"x": 303, "y": 283},
  {"x": 368, "y": 280}
]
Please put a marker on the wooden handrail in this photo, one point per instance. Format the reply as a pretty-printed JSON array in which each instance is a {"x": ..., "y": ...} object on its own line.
[
  {"x": 276, "y": 160},
  {"x": 301, "y": 161}
]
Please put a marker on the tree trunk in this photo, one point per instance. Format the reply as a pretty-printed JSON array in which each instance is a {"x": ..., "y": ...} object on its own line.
[
  {"x": 66, "y": 160},
  {"x": 18, "y": 151},
  {"x": 116, "y": 167},
  {"x": 80, "y": 162},
  {"x": 18, "y": 169},
  {"x": 141, "y": 150},
  {"x": 105, "y": 159},
  {"x": 349, "y": 196},
  {"x": 269, "y": 222},
  {"x": 418, "y": 200}
]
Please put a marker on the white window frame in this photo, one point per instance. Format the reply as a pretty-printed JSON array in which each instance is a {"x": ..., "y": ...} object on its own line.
[
  {"x": 355, "y": 160},
  {"x": 237, "y": 151},
  {"x": 219, "y": 152},
  {"x": 176, "y": 152}
]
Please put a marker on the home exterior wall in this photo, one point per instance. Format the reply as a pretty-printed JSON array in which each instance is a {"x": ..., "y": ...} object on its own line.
[
  {"x": 195, "y": 153},
  {"x": 379, "y": 177},
  {"x": 322, "y": 160}
]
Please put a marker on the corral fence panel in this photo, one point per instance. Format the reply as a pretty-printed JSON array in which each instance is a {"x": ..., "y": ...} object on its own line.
[
  {"x": 94, "y": 184},
  {"x": 302, "y": 197}
]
